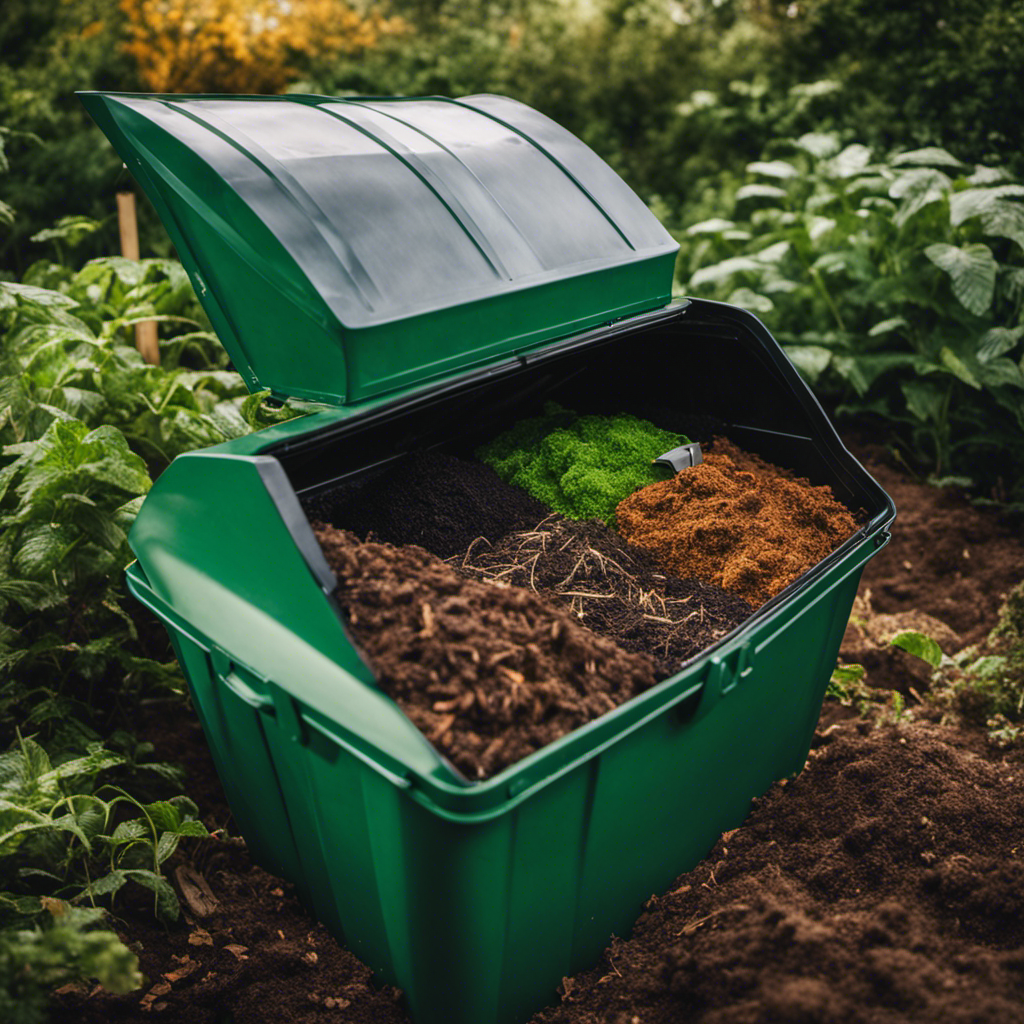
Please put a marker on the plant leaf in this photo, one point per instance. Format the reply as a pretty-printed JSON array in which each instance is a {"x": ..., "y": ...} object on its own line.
[
  {"x": 773, "y": 169},
  {"x": 972, "y": 271},
  {"x": 757, "y": 191},
  {"x": 929, "y": 156},
  {"x": 997, "y": 341},
  {"x": 919, "y": 645},
  {"x": 956, "y": 366}
]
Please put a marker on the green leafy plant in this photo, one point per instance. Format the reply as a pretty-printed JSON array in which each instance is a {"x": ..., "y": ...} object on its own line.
[
  {"x": 65, "y": 831},
  {"x": 85, "y": 422},
  {"x": 984, "y": 684},
  {"x": 581, "y": 466},
  {"x": 45, "y": 943},
  {"x": 897, "y": 287}
]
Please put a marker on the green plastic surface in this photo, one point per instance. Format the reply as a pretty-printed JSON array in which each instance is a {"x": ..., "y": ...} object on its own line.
[{"x": 345, "y": 248}]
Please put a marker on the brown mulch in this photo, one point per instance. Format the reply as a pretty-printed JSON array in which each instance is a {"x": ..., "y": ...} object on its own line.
[
  {"x": 487, "y": 673},
  {"x": 736, "y": 521}
]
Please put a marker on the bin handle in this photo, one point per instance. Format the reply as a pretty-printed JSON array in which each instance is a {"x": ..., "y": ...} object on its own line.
[{"x": 240, "y": 688}]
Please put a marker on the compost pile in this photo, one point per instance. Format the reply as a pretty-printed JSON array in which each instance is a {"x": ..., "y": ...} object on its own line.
[
  {"x": 884, "y": 884},
  {"x": 612, "y": 587},
  {"x": 736, "y": 521},
  {"x": 436, "y": 500},
  {"x": 488, "y": 673}
]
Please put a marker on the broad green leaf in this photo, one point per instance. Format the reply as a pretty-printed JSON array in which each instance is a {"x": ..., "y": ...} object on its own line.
[
  {"x": 773, "y": 169},
  {"x": 818, "y": 227},
  {"x": 818, "y": 144},
  {"x": 193, "y": 830},
  {"x": 997, "y": 341},
  {"x": 748, "y": 299},
  {"x": 166, "y": 845},
  {"x": 972, "y": 271},
  {"x": 929, "y": 156},
  {"x": 1001, "y": 372},
  {"x": 91, "y": 765},
  {"x": 810, "y": 360},
  {"x": 972, "y": 202},
  {"x": 988, "y": 175},
  {"x": 886, "y": 326},
  {"x": 924, "y": 400},
  {"x": 164, "y": 815},
  {"x": 720, "y": 271},
  {"x": 852, "y": 160},
  {"x": 917, "y": 189},
  {"x": 131, "y": 830},
  {"x": 166, "y": 900},
  {"x": 919, "y": 645},
  {"x": 40, "y": 296},
  {"x": 956, "y": 366},
  {"x": 1013, "y": 282},
  {"x": 773, "y": 253},
  {"x": 760, "y": 192},
  {"x": 106, "y": 885},
  {"x": 1005, "y": 220},
  {"x": 714, "y": 226}
]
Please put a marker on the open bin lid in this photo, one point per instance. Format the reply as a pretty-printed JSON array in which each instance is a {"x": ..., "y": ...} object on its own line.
[{"x": 348, "y": 247}]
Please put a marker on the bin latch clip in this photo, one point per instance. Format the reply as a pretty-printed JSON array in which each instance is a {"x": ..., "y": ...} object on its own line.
[{"x": 683, "y": 457}]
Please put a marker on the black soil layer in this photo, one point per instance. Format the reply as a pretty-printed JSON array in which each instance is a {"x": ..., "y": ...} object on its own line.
[
  {"x": 438, "y": 501},
  {"x": 885, "y": 884},
  {"x": 613, "y": 588},
  {"x": 488, "y": 673}
]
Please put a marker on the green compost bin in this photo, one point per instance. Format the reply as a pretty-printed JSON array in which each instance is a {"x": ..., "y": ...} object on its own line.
[{"x": 431, "y": 270}]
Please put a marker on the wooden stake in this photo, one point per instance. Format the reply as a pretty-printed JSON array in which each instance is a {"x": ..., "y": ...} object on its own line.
[{"x": 145, "y": 333}]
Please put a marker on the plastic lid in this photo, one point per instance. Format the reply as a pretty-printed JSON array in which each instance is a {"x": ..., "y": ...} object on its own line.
[{"x": 346, "y": 247}]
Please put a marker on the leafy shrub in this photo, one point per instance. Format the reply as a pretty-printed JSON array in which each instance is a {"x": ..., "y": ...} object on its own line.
[
  {"x": 85, "y": 422},
  {"x": 580, "y": 466},
  {"x": 40, "y": 951},
  {"x": 985, "y": 685},
  {"x": 64, "y": 831},
  {"x": 897, "y": 287}
]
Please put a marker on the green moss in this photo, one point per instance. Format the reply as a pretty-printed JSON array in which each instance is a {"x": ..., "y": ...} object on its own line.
[{"x": 581, "y": 466}]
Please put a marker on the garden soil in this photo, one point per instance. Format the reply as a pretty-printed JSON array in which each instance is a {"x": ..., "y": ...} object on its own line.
[
  {"x": 736, "y": 521},
  {"x": 488, "y": 673},
  {"x": 882, "y": 885},
  {"x": 615, "y": 589},
  {"x": 435, "y": 500}
]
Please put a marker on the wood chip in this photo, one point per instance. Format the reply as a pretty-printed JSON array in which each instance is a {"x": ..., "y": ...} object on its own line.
[
  {"x": 188, "y": 965},
  {"x": 200, "y": 937},
  {"x": 237, "y": 951},
  {"x": 338, "y": 1003},
  {"x": 195, "y": 891}
]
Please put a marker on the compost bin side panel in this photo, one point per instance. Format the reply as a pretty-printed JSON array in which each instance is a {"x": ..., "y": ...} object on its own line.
[
  {"x": 237, "y": 743},
  {"x": 666, "y": 792}
]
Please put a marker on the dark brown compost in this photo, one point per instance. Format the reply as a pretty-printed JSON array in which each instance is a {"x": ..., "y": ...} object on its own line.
[
  {"x": 488, "y": 673},
  {"x": 610, "y": 586}
]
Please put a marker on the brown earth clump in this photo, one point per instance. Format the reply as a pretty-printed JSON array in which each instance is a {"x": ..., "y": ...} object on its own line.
[
  {"x": 488, "y": 673},
  {"x": 612, "y": 587},
  {"x": 736, "y": 521},
  {"x": 884, "y": 885}
]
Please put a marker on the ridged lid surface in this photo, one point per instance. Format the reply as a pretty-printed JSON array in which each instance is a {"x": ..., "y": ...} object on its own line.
[{"x": 305, "y": 220}]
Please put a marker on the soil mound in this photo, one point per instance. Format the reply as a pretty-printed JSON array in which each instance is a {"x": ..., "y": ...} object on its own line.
[
  {"x": 736, "y": 521},
  {"x": 438, "y": 501},
  {"x": 488, "y": 673},
  {"x": 884, "y": 884},
  {"x": 612, "y": 587},
  {"x": 946, "y": 557}
]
